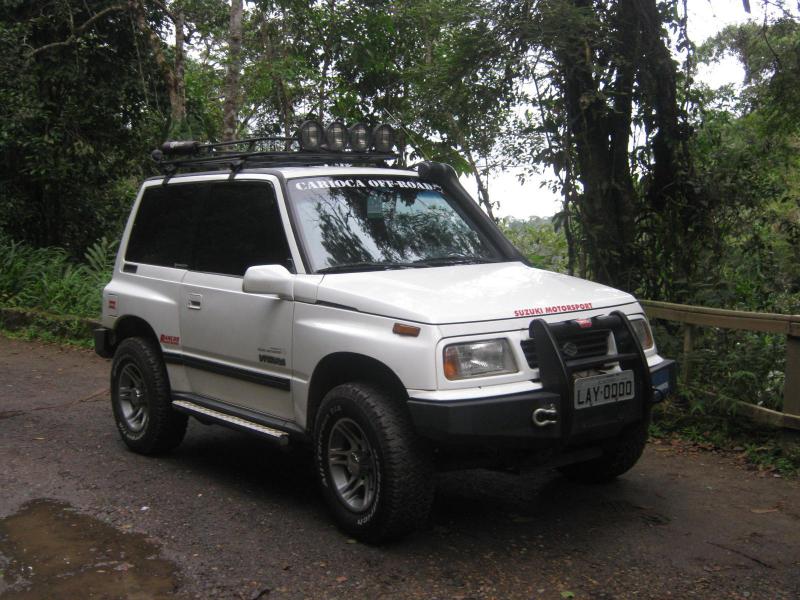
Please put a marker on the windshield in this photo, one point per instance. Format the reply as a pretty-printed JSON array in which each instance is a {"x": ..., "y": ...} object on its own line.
[{"x": 365, "y": 223}]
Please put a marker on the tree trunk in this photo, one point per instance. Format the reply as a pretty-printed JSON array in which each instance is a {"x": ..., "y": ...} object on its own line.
[
  {"x": 230, "y": 108},
  {"x": 600, "y": 127},
  {"x": 173, "y": 80},
  {"x": 179, "y": 115},
  {"x": 328, "y": 52}
]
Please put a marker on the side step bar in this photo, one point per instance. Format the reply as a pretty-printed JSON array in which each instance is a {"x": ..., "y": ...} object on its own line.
[{"x": 275, "y": 435}]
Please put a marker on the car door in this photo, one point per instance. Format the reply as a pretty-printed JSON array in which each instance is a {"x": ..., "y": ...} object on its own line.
[{"x": 237, "y": 346}]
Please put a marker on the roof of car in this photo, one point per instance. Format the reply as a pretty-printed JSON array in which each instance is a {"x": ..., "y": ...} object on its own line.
[{"x": 291, "y": 172}]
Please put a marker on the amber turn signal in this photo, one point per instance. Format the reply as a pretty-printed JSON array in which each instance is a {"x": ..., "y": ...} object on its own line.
[{"x": 401, "y": 329}]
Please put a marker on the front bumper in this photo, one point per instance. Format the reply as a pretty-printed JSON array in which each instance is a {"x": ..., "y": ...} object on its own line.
[
  {"x": 508, "y": 420},
  {"x": 104, "y": 342},
  {"x": 547, "y": 417}
]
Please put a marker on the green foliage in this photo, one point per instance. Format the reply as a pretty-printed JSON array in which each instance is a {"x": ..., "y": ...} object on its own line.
[
  {"x": 539, "y": 242},
  {"x": 74, "y": 121},
  {"x": 46, "y": 279},
  {"x": 745, "y": 152}
]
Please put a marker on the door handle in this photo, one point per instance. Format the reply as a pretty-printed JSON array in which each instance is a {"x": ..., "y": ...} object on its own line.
[{"x": 195, "y": 302}]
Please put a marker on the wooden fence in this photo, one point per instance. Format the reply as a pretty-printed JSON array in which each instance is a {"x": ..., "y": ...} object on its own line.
[{"x": 788, "y": 325}]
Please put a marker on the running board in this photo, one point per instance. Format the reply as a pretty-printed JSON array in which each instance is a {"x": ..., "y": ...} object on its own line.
[{"x": 276, "y": 435}]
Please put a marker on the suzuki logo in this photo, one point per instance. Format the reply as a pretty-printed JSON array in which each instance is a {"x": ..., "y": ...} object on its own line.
[{"x": 570, "y": 349}]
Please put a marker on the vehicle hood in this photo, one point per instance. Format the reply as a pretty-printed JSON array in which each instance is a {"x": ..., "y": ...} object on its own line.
[{"x": 466, "y": 293}]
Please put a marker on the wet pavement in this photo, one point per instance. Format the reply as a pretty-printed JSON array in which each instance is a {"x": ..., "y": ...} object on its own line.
[
  {"x": 228, "y": 516},
  {"x": 48, "y": 550}
]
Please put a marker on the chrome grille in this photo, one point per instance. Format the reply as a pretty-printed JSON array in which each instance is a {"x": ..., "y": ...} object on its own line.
[{"x": 585, "y": 344}]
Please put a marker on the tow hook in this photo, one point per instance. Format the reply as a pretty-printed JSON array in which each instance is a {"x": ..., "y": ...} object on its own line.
[{"x": 542, "y": 417}]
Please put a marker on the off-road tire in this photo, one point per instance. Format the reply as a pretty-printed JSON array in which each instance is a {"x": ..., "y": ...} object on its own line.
[
  {"x": 404, "y": 471},
  {"x": 619, "y": 456},
  {"x": 164, "y": 427}
]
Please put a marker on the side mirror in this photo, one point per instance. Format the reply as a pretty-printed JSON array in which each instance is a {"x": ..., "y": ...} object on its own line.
[{"x": 269, "y": 279}]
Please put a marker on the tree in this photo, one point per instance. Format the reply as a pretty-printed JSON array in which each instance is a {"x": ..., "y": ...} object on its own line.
[
  {"x": 602, "y": 72},
  {"x": 75, "y": 122}
]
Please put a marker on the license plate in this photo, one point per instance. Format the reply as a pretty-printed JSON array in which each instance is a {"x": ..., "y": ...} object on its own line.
[{"x": 603, "y": 389}]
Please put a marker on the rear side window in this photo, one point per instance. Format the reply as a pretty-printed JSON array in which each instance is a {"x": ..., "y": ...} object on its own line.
[
  {"x": 163, "y": 230},
  {"x": 240, "y": 227}
]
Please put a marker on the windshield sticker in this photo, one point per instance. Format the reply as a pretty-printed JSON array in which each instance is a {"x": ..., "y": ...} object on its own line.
[
  {"x": 327, "y": 184},
  {"x": 374, "y": 207},
  {"x": 551, "y": 310}
]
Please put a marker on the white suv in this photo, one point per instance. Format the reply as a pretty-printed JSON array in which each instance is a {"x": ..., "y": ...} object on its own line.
[{"x": 374, "y": 312}]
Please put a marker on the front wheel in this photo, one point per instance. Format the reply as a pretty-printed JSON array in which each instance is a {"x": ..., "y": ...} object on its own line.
[
  {"x": 141, "y": 401},
  {"x": 375, "y": 472},
  {"x": 619, "y": 456}
]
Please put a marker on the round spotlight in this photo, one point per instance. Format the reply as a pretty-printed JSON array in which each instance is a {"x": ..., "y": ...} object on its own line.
[
  {"x": 359, "y": 137},
  {"x": 336, "y": 136},
  {"x": 383, "y": 138},
  {"x": 310, "y": 135}
]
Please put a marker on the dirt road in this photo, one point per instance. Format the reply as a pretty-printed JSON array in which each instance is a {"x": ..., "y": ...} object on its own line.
[{"x": 226, "y": 516}]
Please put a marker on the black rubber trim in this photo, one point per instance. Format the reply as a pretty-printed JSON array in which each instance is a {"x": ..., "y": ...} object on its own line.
[
  {"x": 239, "y": 411},
  {"x": 176, "y": 358},
  {"x": 103, "y": 342},
  {"x": 334, "y": 305}
]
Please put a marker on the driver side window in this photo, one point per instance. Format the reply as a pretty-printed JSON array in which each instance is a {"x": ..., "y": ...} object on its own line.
[{"x": 239, "y": 227}]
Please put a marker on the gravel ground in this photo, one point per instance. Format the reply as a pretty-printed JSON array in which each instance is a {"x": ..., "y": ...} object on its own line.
[{"x": 228, "y": 516}]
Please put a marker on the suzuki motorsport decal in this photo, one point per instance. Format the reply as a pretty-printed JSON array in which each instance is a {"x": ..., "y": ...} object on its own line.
[
  {"x": 551, "y": 310},
  {"x": 328, "y": 183}
]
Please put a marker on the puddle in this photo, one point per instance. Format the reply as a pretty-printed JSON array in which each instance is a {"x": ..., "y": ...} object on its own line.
[{"x": 47, "y": 550}]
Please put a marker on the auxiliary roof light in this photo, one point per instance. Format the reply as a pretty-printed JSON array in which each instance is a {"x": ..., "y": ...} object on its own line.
[
  {"x": 383, "y": 138},
  {"x": 311, "y": 135},
  {"x": 336, "y": 136},
  {"x": 359, "y": 137}
]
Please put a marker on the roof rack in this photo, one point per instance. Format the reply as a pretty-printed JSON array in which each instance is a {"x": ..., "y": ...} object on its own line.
[{"x": 188, "y": 155}]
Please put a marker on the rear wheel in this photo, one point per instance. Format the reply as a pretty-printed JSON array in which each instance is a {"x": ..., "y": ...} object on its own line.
[
  {"x": 141, "y": 401},
  {"x": 619, "y": 456},
  {"x": 376, "y": 474}
]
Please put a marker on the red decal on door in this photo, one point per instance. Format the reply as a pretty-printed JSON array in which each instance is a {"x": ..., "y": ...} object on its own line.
[{"x": 173, "y": 340}]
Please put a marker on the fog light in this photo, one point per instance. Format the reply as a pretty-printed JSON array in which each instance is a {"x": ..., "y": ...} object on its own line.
[
  {"x": 336, "y": 136},
  {"x": 359, "y": 137},
  {"x": 310, "y": 135},
  {"x": 383, "y": 138}
]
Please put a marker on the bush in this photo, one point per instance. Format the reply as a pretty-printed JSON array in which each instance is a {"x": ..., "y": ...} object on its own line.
[{"x": 46, "y": 279}]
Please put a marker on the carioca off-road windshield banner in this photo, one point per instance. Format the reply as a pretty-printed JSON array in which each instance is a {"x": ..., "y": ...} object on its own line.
[{"x": 327, "y": 183}]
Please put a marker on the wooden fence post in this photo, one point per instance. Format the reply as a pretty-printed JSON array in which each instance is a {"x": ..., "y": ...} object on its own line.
[
  {"x": 791, "y": 384},
  {"x": 688, "y": 346}
]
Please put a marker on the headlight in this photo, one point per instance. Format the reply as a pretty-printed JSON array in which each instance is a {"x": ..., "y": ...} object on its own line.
[
  {"x": 642, "y": 329},
  {"x": 478, "y": 359}
]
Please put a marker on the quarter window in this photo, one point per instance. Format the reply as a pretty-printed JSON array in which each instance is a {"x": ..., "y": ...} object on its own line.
[{"x": 164, "y": 225}]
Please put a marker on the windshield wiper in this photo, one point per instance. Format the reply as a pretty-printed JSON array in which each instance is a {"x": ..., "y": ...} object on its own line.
[
  {"x": 455, "y": 259},
  {"x": 364, "y": 266}
]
